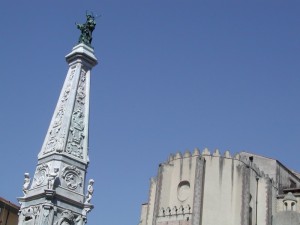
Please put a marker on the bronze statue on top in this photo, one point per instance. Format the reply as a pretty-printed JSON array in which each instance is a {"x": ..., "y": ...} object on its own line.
[{"x": 87, "y": 29}]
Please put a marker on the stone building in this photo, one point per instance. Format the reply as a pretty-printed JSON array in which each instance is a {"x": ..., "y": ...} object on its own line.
[
  {"x": 8, "y": 212},
  {"x": 213, "y": 189}
]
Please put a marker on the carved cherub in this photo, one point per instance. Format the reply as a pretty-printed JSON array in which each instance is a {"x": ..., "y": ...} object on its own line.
[
  {"x": 26, "y": 183},
  {"x": 90, "y": 191},
  {"x": 51, "y": 178}
]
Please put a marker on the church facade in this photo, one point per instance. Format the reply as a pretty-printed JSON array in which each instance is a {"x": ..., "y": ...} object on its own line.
[{"x": 209, "y": 188}]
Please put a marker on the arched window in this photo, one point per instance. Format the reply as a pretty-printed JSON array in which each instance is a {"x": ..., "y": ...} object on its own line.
[
  {"x": 285, "y": 206},
  {"x": 293, "y": 206}
]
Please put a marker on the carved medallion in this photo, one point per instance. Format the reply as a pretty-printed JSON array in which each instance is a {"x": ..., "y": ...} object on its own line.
[
  {"x": 72, "y": 177},
  {"x": 40, "y": 174}
]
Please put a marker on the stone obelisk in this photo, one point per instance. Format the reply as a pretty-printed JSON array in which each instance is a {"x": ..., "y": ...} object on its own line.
[{"x": 57, "y": 193}]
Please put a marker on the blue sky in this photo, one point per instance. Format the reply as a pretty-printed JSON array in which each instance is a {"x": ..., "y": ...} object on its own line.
[{"x": 172, "y": 75}]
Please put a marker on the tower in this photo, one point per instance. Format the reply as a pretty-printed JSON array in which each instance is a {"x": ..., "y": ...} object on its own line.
[{"x": 56, "y": 194}]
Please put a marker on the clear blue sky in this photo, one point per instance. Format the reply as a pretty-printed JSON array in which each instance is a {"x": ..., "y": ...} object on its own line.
[{"x": 173, "y": 75}]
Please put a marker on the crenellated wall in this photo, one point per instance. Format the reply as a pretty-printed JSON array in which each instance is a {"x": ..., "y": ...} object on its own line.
[
  {"x": 208, "y": 189},
  {"x": 176, "y": 185}
]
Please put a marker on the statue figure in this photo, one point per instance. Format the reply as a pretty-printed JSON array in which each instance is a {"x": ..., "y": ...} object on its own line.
[
  {"x": 46, "y": 217},
  {"x": 87, "y": 29},
  {"x": 78, "y": 128},
  {"x": 26, "y": 183},
  {"x": 90, "y": 191},
  {"x": 51, "y": 178},
  {"x": 85, "y": 211}
]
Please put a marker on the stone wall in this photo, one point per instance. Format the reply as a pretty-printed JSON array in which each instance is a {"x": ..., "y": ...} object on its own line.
[{"x": 211, "y": 188}]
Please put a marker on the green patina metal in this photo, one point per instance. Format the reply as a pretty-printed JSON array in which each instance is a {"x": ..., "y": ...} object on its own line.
[{"x": 87, "y": 29}]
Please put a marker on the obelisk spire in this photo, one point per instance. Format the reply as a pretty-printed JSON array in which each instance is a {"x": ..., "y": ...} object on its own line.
[
  {"x": 57, "y": 193},
  {"x": 68, "y": 130}
]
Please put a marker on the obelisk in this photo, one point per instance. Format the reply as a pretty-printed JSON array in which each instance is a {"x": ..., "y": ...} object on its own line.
[{"x": 57, "y": 193}]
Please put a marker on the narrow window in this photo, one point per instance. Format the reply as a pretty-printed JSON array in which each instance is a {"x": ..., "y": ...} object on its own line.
[
  {"x": 293, "y": 206},
  {"x": 285, "y": 206}
]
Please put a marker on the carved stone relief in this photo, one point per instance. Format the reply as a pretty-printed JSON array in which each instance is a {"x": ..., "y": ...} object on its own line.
[
  {"x": 59, "y": 147},
  {"x": 58, "y": 118},
  {"x": 66, "y": 93},
  {"x": 72, "y": 177},
  {"x": 30, "y": 215},
  {"x": 76, "y": 131},
  {"x": 50, "y": 146},
  {"x": 46, "y": 217},
  {"x": 41, "y": 174},
  {"x": 55, "y": 139},
  {"x": 72, "y": 72},
  {"x": 80, "y": 98},
  {"x": 80, "y": 95},
  {"x": 51, "y": 178},
  {"x": 76, "y": 134},
  {"x": 53, "y": 135},
  {"x": 67, "y": 218}
]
